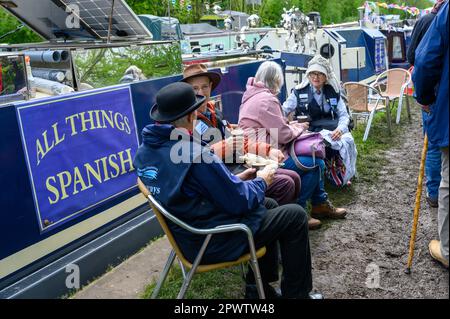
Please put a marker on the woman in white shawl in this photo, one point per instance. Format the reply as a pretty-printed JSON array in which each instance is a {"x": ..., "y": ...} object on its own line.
[{"x": 319, "y": 98}]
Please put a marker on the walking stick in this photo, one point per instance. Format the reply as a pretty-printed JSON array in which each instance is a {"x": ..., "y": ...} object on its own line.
[{"x": 412, "y": 241}]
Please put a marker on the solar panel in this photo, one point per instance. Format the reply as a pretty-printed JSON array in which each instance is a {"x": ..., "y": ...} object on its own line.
[
  {"x": 95, "y": 13},
  {"x": 49, "y": 19}
]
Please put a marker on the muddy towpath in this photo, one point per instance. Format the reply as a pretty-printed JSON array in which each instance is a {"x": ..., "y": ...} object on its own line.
[{"x": 365, "y": 255}]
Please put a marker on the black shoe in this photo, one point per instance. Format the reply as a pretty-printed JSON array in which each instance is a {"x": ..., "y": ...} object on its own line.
[
  {"x": 271, "y": 293},
  {"x": 432, "y": 202}
]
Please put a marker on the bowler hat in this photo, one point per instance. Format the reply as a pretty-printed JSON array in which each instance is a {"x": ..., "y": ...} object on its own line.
[
  {"x": 175, "y": 101},
  {"x": 199, "y": 69}
]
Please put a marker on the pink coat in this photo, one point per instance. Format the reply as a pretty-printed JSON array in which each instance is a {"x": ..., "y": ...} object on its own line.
[{"x": 262, "y": 109}]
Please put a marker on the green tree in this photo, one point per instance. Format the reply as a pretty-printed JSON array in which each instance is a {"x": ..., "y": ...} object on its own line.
[
  {"x": 104, "y": 67},
  {"x": 272, "y": 10},
  {"x": 148, "y": 7},
  {"x": 9, "y": 23}
]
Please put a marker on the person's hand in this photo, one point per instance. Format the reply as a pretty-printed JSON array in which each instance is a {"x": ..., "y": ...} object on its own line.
[
  {"x": 267, "y": 173},
  {"x": 276, "y": 155},
  {"x": 336, "y": 134},
  {"x": 425, "y": 108},
  {"x": 249, "y": 173},
  {"x": 302, "y": 126},
  {"x": 305, "y": 125}
]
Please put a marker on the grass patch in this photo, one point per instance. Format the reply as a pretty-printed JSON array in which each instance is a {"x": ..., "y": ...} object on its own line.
[{"x": 219, "y": 284}]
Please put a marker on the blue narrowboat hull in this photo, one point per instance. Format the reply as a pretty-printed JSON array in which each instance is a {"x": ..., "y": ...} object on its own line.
[{"x": 34, "y": 254}]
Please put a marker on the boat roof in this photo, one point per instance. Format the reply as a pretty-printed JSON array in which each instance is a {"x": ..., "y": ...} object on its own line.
[
  {"x": 3, "y": 54},
  {"x": 78, "y": 45},
  {"x": 373, "y": 33},
  {"x": 233, "y": 13},
  {"x": 167, "y": 20},
  {"x": 199, "y": 28}
]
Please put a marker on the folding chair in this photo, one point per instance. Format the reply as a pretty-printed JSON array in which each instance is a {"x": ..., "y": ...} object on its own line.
[
  {"x": 360, "y": 99},
  {"x": 162, "y": 214},
  {"x": 396, "y": 84}
]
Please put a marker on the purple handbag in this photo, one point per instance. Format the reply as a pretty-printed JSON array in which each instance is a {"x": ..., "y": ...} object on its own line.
[{"x": 307, "y": 144}]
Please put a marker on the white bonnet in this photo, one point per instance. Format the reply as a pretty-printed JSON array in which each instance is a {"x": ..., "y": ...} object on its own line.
[{"x": 320, "y": 64}]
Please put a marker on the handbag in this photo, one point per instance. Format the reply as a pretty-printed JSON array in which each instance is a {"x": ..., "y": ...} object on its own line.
[
  {"x": 335, "y": 169},
  {"x": 307, "y": 144}
]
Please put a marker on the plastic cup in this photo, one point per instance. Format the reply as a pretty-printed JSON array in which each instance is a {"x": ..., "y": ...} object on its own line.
[{"x": 302, "y": 118}]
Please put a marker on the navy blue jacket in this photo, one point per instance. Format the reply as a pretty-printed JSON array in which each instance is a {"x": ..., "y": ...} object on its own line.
[
  {"x": 203, "y": 194},
  {"x": 420, "y": 28},
  {"x": 309, "y": 106},
  {"x": 430, "y": 77}
]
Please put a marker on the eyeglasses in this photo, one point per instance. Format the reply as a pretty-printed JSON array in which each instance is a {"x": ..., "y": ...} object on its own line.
[
  {"x": 316, "y": 75},
  {"x": 202, "y": 88}
]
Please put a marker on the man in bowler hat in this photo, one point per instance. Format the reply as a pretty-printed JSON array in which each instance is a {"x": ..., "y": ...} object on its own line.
[{"x": 205, "y": 194}]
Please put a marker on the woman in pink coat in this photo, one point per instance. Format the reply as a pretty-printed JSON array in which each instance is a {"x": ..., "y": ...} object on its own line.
[{"x": 261, "y": 109}]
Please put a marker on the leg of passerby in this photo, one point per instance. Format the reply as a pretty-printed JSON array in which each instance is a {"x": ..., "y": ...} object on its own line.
[
  {"x": 432, "y": 168},
  {"x": 439, "y": 249},
  {"x": 433, "y": 174}
]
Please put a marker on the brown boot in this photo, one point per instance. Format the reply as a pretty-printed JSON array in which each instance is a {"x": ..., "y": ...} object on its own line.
[
  {"x": 435, "y": 252},
  {"x": 314, "y": 223},
  {"x": 327, "y": 210}
]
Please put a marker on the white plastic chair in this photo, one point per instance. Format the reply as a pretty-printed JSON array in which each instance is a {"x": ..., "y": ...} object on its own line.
[
  {"x": 365, "y": 101},
  {"x": 396, "y": 82}
]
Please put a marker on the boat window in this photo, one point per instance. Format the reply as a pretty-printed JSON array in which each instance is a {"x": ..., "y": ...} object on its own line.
[
  {"x": 101, "y": 67},
  {"x": 397, "y": 52},
  {"x": 327, "y": 51},
  {"x": 13, "y": 81}
]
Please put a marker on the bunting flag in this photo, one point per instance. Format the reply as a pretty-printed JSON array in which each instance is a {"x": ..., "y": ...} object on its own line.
[
  {"x": 426, "y": 11},
  {"x": 411, "y": 10}
]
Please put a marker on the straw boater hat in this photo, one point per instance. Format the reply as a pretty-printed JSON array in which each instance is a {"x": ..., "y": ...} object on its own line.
[
  {"x": 320, "y": 64},
  {"x": 175, "y": 101},
  {"x": 199, "y": 69}
]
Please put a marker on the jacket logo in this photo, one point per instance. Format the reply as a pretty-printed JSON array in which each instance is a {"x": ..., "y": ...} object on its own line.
[{"x": 150, "y": 172}]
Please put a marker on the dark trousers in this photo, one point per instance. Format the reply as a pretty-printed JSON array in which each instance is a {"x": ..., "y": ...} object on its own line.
[{"x": 284, "y": 231}]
